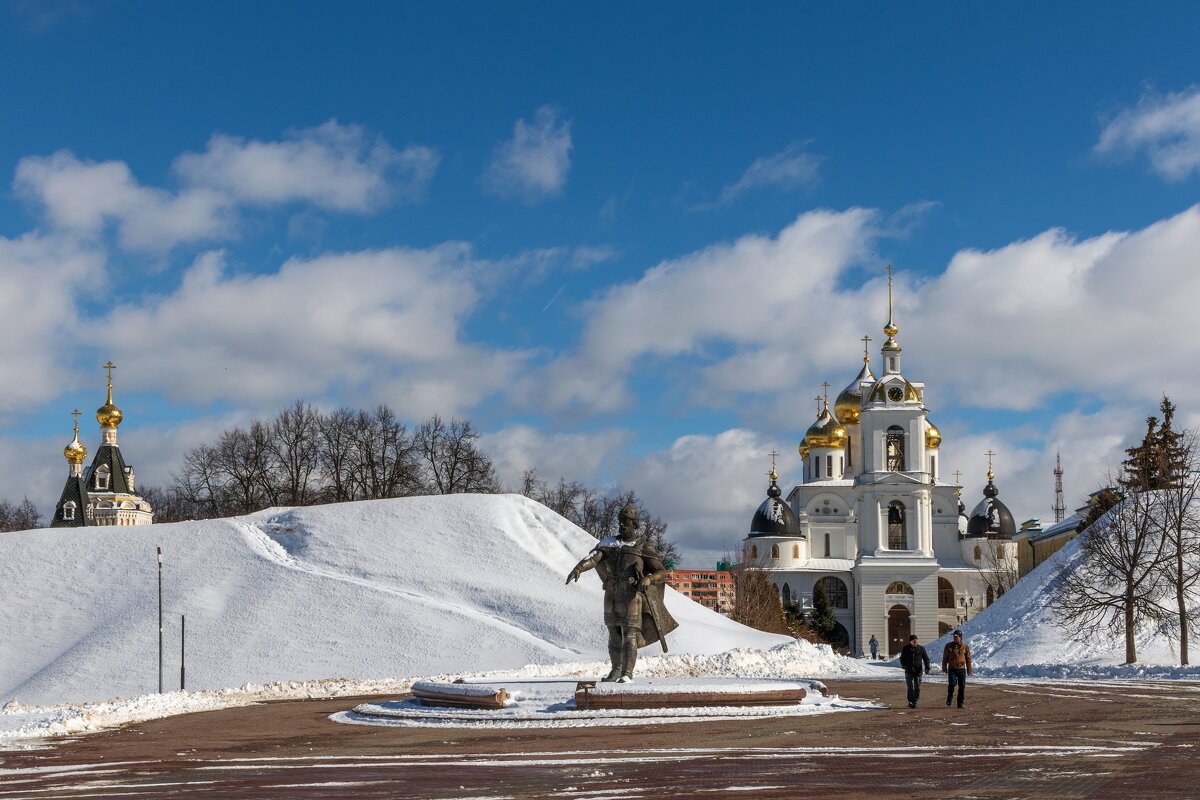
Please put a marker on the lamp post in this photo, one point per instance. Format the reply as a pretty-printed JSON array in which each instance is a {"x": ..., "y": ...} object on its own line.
[{"x": 160, "y": 623}]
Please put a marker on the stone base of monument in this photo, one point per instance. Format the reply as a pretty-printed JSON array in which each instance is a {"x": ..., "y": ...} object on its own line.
[
  {"x": 460, "y": 694},
  {"x": 569, "y": 702},
  {"x": 670, "y": 694}
]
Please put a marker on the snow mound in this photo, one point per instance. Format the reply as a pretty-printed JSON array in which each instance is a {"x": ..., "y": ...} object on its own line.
[
  {"x": 405, "y": 587},
  {"x": 1019, "y": 636}
]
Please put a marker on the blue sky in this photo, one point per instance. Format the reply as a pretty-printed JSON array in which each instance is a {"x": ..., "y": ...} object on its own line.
[{"x": 629, "y": 242}]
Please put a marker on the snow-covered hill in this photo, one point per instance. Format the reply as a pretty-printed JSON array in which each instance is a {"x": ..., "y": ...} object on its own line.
[
  {"x": 1018, "y": 635},
  {"x": 413, "y": 586}
]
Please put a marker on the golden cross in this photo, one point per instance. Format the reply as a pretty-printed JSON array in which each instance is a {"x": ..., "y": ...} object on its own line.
[
  {"x": 818, "y": 399},
  {"x": 75, "y": 414},
  {"x": 958, "y": 476},
  {"x": 110, "y": 367},
  {"x": 866, "y": 340},
  {"x": 772, "y": 454},
  {"x": 990, "y": 474},
  {"x": 826, "y": 385}
]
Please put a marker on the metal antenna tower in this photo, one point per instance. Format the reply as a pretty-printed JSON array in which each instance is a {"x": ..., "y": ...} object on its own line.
[{"x": 1060, "y": 507}]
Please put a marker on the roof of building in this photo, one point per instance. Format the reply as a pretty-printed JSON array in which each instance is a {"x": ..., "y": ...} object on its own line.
[
  {"x": 73, "y": 490},
  {"x": 109, "y": 455},
  {"x": 774, "y": 517},
  {"x": 991, "y": 518}
]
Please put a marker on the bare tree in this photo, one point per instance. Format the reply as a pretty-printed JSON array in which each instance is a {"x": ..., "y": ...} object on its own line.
[
  {"x": 450, "y": 459},
  {"x": 22, "y": 516},
  {"x": 293, "y": 450},
  {"x": 997, "y": 567},
  {"x": 1118, "y": 581},
  {"x": 336, "y": 453},
  {"x": 756, "y": 600},
  {"x": 385, "y": 456}
]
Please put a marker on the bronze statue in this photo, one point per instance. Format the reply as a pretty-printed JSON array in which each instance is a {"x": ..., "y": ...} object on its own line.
[{"x": 633, "y": 576}]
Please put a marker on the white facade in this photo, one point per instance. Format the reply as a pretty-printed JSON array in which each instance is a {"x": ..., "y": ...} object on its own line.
[{"x": 875, "y": 522}]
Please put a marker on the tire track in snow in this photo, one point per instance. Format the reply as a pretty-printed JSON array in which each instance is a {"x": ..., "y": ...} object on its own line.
[{"x": 261, "y": 543}]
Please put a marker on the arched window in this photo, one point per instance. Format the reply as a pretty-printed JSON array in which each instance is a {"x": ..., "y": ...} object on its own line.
[
  {"x": 991, "y": 596},
  {"x": 895, "y": 449},
  {"x": 897, "y": 526},
  {"x": 945, "y": 593},
  {"x": 68, "y": 511},
  {"x": 839, "y": 597},
  {"x": 795, "y": 551},
  {"x": 786, "y": 595},
  {"x": 849, "y": 452},
  {"x": 753, "y": 551},
  {"x": 828, "y": 548},
  {"x": 774, "y": 551},
  {"x": 102, "y": 478},
  {"x": 978, "y": 555},
  {"x": 899, "y": 587}
]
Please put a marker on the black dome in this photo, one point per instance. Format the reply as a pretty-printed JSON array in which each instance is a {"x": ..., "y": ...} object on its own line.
[
  {"x": 774, "y": 517},
  {"x": 991, "y": 517}
]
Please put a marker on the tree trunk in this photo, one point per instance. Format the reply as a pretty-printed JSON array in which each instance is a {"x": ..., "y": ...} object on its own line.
[
  {"x": 1130, "y": 647},
  {"x": 1183, "y": 612}
]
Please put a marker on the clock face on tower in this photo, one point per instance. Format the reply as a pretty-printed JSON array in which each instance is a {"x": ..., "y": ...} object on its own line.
[{"x": 895, "y": 394}]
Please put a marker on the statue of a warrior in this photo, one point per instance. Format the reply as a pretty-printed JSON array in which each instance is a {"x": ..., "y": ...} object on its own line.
[{"x": 633, "y": 577}]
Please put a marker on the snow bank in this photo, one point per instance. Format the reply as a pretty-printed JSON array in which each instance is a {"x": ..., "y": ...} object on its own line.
[
  {"x": 405, "y": 587},
  {"x": 1019, "y": 636}
]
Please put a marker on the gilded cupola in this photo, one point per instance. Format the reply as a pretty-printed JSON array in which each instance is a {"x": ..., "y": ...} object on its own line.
[
  {"x": 108, "y": 415},
  {"x": 933, "y": 437},
  {"x": 825, "y": 432},
  {"x": 75, "y": 452},
  {"x": 849, "y": 403}
]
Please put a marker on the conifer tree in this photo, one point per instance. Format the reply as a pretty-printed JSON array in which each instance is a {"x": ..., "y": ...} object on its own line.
[{"x": 822, "y": 619}]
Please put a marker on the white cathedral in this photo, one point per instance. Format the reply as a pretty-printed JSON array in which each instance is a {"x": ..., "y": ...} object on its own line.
[{"x": 873, "y": 522}]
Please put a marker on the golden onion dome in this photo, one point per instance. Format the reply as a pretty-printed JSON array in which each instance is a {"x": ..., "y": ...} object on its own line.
[
  {"x": 849, "y": 403},
  {"x": 108, "y": 415},
  {"x": 825, "y": 432},
  {"x": 933, "y": 437},
  {"x": 75, "y": 452},
  {"x": 804, "y": 449}
]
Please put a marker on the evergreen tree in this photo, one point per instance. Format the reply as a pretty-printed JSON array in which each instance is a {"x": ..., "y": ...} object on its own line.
[
  {"x": 1159, "y": 462},
  {"x": 821, "y": 618}
]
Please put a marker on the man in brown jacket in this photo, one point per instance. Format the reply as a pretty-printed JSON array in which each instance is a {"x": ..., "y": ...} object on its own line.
[{"x": 956, "y": 662}]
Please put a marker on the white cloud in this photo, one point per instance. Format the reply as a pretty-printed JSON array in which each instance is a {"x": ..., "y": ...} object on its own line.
[
  {"x": 584, "y": 457},
  {"x": 383, "y": 326},
  {"x": 1166, "y": 128},
  {"x": 532, "y": 164},
  {"x": 707, "y": 487},
  {"x": 45, "y": 279},
  {"x": 758, "y": 291},
  {"x": 331, "y": 166},
  {"x": 84, "y": 196},
  {"x": 791, "y": 168}
]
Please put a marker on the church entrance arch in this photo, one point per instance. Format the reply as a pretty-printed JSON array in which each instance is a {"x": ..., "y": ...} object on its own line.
[{"x": 899, "y": 628}]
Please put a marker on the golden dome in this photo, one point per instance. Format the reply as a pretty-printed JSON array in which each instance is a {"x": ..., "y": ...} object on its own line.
[
  {"x": 75, "y": 452},
  {"x": 933, "y": 437},
  {"x": 108, "y": 415},
  {"x": 825, "y": 432},
  {"x": 849, "y": 402}
]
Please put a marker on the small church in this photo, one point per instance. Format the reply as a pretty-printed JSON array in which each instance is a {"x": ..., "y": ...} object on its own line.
[
  {"x": 873, "y": 522},
  {"x": 103, "y": 493}
]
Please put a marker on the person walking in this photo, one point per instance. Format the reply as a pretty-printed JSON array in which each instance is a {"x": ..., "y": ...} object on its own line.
[
  {"x": 874, "y": 645},
  {"x": 915, "y": 662},
  {"x": 956, "y": 662}
]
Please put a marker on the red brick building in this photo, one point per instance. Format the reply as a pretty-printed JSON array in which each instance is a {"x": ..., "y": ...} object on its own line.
[{"x": 711, "y": 588}]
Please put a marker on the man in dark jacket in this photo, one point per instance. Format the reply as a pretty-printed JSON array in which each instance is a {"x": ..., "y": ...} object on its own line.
[
  {"x": 956, "y": 662},
  {"x": 915, "y": 661}
]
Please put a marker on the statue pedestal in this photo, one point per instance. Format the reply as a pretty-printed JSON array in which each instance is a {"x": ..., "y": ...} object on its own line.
[{"x": 674, "y": 693}]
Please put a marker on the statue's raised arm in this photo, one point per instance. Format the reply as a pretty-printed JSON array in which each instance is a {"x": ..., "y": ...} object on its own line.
[{"x": 588, "y": 562}]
